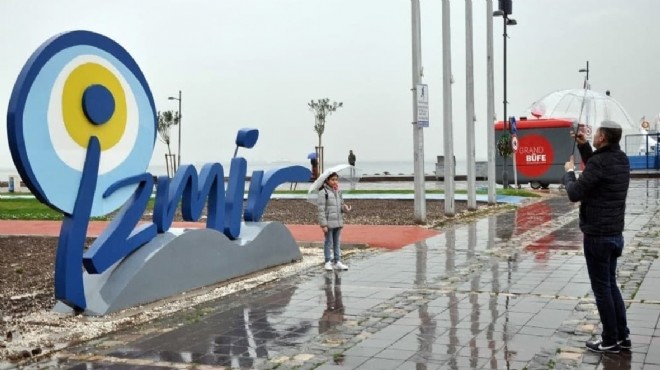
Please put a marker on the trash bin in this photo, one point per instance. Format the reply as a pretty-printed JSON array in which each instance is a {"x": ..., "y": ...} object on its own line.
[
  {"x": 14, "y": 183},
  {"x": 544, "y": 145},
  {"x": 440, "y": 167}
]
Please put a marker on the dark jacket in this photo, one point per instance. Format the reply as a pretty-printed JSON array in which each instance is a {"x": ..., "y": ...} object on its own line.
[{"x": 601, "y": 189}]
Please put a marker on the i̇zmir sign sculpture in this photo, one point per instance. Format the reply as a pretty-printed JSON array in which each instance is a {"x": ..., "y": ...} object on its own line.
[{"x": 81, "y": 126}]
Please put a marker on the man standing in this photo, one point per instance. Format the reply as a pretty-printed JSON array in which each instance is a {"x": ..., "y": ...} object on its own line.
[
  {"x": 601, "y": 190},
  {"x": 351, "y": 158},
  {"x": 315, "y": 168}
]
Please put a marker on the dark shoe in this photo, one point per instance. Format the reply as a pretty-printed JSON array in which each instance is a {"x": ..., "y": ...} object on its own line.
[
  {"x": 625, "y": 344},
  {"x": 597, "y": 346}
]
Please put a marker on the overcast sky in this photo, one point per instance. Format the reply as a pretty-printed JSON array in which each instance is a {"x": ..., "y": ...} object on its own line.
[{"x": 257, "y": 63}]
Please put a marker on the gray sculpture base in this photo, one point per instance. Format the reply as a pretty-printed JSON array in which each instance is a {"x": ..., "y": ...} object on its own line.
[{"x": 184, "y": 259}]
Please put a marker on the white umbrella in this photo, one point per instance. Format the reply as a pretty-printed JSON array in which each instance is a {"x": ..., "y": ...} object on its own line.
[{"x": 346, "y": 173}]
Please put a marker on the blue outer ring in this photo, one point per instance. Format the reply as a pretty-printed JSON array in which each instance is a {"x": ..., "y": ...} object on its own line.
[{"x": 23, "y": 86}]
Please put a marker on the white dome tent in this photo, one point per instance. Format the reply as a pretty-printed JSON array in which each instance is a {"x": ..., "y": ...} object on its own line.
[{"x": 647, "y": 144}]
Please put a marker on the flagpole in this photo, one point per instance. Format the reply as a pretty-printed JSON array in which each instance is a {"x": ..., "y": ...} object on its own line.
[
  {"x": 447, "y": 111},
  {"x": 418, "y": 131},
  {"x": 490, "y": 110},
  {"x": 469, "y": 114}
]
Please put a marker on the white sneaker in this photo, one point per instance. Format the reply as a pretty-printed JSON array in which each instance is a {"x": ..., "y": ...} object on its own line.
[
  {"x": 328, "y": 266},
  {"x": 340, "y": 266}
]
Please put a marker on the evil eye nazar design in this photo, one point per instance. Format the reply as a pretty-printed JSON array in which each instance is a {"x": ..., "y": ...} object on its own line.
[
  {"x": 81, "y": 126},
  {"x": 80, "y": 85}
]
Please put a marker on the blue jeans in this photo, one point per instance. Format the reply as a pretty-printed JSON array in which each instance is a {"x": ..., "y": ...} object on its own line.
[
  {"x": 601, "y": 253},
  {"x": 332, "y": 238}
]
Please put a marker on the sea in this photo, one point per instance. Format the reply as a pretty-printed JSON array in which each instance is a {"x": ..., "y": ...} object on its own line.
[{"x": 365, "y": 168}]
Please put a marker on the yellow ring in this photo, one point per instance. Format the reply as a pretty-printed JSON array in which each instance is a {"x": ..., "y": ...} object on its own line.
[{"x": 77, "y": 125}]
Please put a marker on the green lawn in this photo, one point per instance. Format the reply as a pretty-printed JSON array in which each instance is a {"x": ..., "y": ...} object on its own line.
[
  {"x": 32, "y": 209},
  {"x": 26, "y": 209}
]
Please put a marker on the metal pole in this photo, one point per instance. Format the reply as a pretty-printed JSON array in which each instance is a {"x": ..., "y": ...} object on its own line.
[
  {"x": 179, "y": 153},
  {"x": 469, "y": 114},
  {"x": 490, "y": 114},
  {"x": 446, "y": 108},
  {"x": 505, "y": 175},
  {"x": 587, "y": 70},
  {"x": 418, "y": 132},
  {"x": 515, "y": 168}
]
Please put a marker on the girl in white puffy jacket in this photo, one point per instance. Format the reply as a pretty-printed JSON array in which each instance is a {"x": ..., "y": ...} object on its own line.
[{"x": 330, "y": 208}]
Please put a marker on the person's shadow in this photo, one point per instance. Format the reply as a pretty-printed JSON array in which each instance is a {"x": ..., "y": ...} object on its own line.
[
  {"x": 619, "y": 361},
  {"x": 333, "y": 314}
]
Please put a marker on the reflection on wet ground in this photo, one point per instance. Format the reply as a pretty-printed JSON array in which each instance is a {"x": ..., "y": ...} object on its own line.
[{"x": 508, "y": 291}]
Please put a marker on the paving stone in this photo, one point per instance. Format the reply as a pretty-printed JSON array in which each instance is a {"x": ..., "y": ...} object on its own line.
[{"x": 496, "y": 292}]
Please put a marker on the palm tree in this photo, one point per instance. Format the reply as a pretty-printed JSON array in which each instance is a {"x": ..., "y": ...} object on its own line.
[
  {"x": 322, "y": 108},
  {"x": 166, "y": 120}
]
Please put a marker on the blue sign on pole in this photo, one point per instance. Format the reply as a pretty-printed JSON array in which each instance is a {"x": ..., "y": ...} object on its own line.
[
  {"x": 422, "y": 105},
  {"x": 512, "y": 125}
]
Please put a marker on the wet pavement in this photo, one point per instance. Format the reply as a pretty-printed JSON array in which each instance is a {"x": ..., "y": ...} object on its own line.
[{"x": 507, "y": 291}]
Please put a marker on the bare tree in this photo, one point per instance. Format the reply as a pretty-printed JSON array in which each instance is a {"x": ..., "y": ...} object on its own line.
[
  {"x": 322, "y": 108},
  {"x": 166, "y": 120}
]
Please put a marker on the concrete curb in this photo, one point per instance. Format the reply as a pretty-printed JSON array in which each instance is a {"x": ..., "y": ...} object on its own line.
[{"x": 347, "y": 246}]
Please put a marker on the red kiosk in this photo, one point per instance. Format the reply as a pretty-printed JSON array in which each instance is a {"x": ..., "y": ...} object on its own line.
[{"x": 544, "y": 145}]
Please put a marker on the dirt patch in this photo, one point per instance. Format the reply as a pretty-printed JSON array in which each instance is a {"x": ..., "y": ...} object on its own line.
[
  {"x": 27, "y": 269},
  {"x": 28, "y": 262}
]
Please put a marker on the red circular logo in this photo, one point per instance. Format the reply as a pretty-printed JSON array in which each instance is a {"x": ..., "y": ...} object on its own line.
[{"x": 534, "y": 156}]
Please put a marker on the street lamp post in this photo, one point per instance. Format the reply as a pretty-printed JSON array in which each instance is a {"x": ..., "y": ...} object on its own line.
[
  {"x": 505, "y": 9},
  {"x": 179, "y": 149},
  {"x": 582, "y": 70}
]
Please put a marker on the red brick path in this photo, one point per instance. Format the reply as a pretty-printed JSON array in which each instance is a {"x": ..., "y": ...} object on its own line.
[{"x": 383, "y": 236}]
